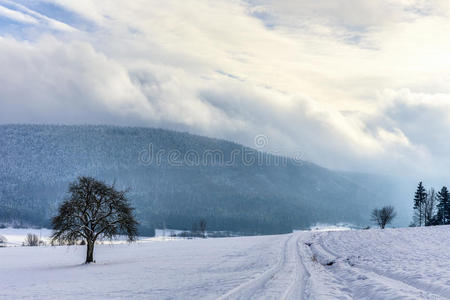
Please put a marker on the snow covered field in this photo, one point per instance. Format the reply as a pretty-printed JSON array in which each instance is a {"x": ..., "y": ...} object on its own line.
[{"x": 408, "y": 263}]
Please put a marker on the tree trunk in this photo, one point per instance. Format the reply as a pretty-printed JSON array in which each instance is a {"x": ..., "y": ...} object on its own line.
[{"x": 89, "y": 252}]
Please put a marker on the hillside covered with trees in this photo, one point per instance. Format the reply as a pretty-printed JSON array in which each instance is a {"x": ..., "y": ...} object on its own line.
[{"x": 174, "y": 179}]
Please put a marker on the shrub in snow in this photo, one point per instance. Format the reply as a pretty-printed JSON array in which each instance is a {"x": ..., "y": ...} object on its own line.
[
  {"x": 32, "y": 240},
  {"x": 3, "y": 241}
]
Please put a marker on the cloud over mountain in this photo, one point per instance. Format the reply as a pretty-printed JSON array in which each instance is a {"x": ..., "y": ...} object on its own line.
[{"x": 351, "y": 84}]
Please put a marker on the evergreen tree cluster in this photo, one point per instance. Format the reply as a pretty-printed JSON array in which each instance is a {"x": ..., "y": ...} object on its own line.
[{"x": 431, "y": 208}]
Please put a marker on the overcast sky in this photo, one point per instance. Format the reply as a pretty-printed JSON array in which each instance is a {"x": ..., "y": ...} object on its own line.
[{"x": 350, "y": 84}]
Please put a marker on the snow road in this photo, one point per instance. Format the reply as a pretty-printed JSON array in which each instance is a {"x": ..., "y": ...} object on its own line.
[
  {"x": 409, "y": 263},
  {"x": 286, "y": 280}
]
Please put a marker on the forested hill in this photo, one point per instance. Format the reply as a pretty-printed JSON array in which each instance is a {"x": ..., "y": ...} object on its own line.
[{"x": 174, "y": 178}]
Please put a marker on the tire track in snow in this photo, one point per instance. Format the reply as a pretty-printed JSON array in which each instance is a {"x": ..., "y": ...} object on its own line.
[
  {"x": 427, "y": 288},
  {"x": 283, "y": 281},
  {"x": 298, "y": 288},
  {"x": 247, "y": 289},
  {"x": 378, "y": 283}
]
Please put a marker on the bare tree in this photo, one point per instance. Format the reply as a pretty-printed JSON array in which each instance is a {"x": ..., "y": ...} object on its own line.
[
  {"x": 383, "y": 216},
  {"x": 31, "y": 240},
  {"x": 194, "y": 230},
  {"x": 202, "y": 227},
  {"x": 94, "y": 211},
  {"x": 429, "y": 207}
]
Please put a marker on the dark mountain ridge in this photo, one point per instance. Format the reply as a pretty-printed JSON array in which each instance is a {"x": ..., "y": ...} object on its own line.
[{"x": 174, "y": 178}]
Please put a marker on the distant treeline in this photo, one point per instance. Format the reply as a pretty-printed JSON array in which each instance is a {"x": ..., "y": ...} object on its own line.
[{"x": 431, "y": 207}]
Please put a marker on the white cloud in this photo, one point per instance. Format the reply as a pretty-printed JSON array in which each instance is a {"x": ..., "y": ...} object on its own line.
[
  {"x": 341, "y": 81},
  {"x": 16, "y": 15},
  {"x": 65, "y": 82},
  {"x": 22, "y": 14}
]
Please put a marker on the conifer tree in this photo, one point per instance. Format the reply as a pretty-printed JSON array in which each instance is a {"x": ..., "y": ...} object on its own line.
[
  {"x": 420, "y": 198},
  {"x": 443, "y": 214}
]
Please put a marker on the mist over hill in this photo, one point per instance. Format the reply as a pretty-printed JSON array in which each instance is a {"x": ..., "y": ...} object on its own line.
[{"x": 175, "y": 179}]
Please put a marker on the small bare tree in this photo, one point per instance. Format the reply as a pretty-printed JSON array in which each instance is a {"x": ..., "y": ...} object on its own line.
[
  {"x": 429, "y": 207},
  {"x": 94, "y": 211},
  {"x": 202, "y": 227},
  {"x": 383, "y": 216},
  {"x": 31, "y": 240}
]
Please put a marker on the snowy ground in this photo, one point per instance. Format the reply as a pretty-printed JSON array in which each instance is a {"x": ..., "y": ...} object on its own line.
[{"x": 409, "y": 263}]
